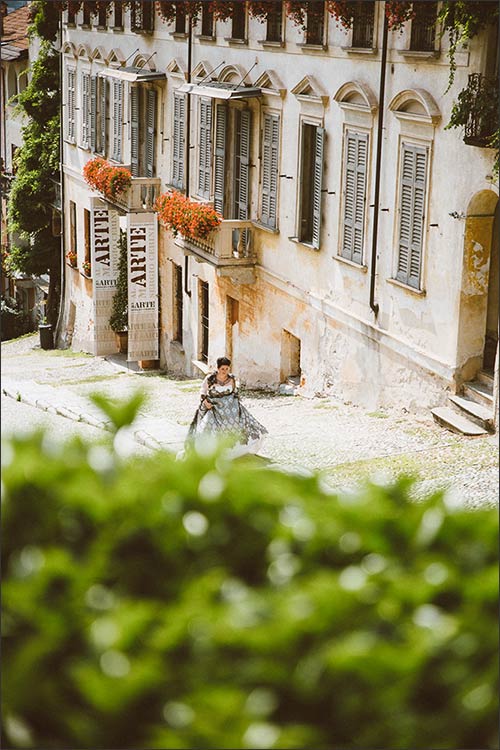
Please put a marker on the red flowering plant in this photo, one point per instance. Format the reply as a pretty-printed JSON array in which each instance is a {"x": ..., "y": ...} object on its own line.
[
  {"x": 167, "y": 9},
  {"x": 71, "y": 257},
  {"x": 181, "y": 215},
  {"x": 105, "y": 178},
  {"x": 222, "y": 9},
  {"x": 297, "y": 12},
  {"x": 260, "y": 9},
  {"x": 342, "y": 11},
  {"x": 398, "y": 13}
]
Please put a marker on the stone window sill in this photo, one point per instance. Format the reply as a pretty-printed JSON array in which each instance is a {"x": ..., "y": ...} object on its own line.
[
  {"x": 303, "y": 243},
  {"x": 265, "y": 228},
  {"x": 236, "y": 42},
  {"x": 360, "y": 50},
  {"x": 178, "y": 35},
  {"x": 206, "y": 38},
  {"x": 411, "y": 289},
  {"x": 414, "y": 54},
  {"x": 117, "y": 28},
  {"x": 268, "y": 43},
  {"x": 360, "y": 266},
  {"x": 312, "y": 47},
  {"x": 203, "y": 366}
]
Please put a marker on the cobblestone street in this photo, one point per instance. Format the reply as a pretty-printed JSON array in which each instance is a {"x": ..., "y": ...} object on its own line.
[{"x": 346, "y": 443}]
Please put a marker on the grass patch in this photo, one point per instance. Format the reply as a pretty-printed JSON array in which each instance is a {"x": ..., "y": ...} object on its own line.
[
  {"x": 326, "y": 407},
  {"x": 91, "y": 379},
  {"x": 377, "y": 414}
]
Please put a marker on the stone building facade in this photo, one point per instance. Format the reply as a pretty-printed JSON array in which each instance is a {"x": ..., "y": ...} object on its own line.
[{"x": 358, "y": 254}]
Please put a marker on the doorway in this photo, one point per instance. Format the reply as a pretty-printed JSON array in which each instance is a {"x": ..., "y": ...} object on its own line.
[{"x": 290, "y": 358}]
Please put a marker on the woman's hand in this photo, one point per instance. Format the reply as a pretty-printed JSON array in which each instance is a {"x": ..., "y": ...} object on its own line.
[{"x": 207, "y": 404}]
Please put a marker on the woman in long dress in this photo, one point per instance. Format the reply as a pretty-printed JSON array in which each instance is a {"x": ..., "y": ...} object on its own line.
[{"x": 221, "y": 411}]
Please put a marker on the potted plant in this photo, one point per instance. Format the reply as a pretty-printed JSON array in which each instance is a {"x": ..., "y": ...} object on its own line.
[
  {"x": 86, "y": 267},
  {"x": 71, "y": 258},
  {"x": 119, "y": 313}
]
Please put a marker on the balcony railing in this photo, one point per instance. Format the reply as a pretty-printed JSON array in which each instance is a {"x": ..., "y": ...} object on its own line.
[
  {"x": 140, "y": 196},
  {"x": 229, "y": 248},
  {"x": 482, "y": 103}
]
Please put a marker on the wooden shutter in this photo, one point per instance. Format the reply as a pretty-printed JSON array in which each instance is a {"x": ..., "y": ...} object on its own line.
[
  {"x": 134, "y": 130},
  {"x": 220, "y": 156},
  {"x": 117, "y": 120},
  {"x": 103, "y": 113},
  {"x": 150, "y": 132},
  {"x": 93, "y": 113},
  {"x": 317, "y": 186},
  {"x": 242, "y": 198},
  {"x": 85, "y": 109},
  {"x": 411, "y": 214},
  {"x": 178, "y": 149},
  {"x": 205, "y": 152},
  {"x": 356, "y": 151},
  {"x": 71, "y": 104},
  {"x": 270, "y": 159}
]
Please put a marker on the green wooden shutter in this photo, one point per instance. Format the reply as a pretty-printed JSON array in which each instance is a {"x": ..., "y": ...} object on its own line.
[
  {"x": 243, "y": 195},
  {"x": 134, "y": 130},
  {"x": 150, "y": 133},
  {"x": 205, "y": 152},
  {"x": 356, "y": 150},
  {"x": 270, "y": 159},
  {"x": 117, "y": 120},
  {"x": 93, "y": 113},
  {"x": 411, "y": 214},
  {"x": 71, "y": 104},
  {"x": 103, "y": 114},
  {"x": 220, "y": 156},
  {"x": 85, "y": 109},
  {"x": 317, "y": 186},
  {"x": 178, "y": 148}
]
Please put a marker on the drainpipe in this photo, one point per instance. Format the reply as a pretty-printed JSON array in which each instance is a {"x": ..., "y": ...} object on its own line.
[
  {"x": 380, "y": 127},
  {"x": 62, "y": 285},
  {"x": 188, "y": 135}
]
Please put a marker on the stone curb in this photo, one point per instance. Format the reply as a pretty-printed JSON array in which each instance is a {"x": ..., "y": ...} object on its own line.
[{"x": 140, "y": 436}]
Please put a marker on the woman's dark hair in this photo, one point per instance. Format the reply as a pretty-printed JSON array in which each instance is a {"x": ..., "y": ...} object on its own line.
[{"x": 223, "y": 361}]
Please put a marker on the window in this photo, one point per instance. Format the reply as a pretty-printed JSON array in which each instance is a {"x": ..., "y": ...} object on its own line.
[
  {"x": 241, "y": 164},
  {"x": 118, "y": 15},
  {"x": 86, "y": 110},
  {"x": 204, "y": 319},
  {"x": 178, "y": 147},
  {"x": 117, "y": 120},
  {"x": 72, "y": 227},
  {"x": 70, "y": 18},
  {"x": 87, "y": 15},
  {"x": 413, "y": 184},
  {"x": 269, "y": 174},
  {"x": 423, "y": 26},
  {"x": 354, "y": 196},
  {"x": 180, "y": 18},
  {"x": 142, "y": 15},
  {"x": 315, "y": 23},
  {"x": 220, "y": 157},
  {"x": 102, "y": 17},
  {"x": 102, "y": 87},
  {"x": 238, "y": 27},
  {"x": 142, "y": 131},
  {"x": 274, "y": 30},
  {"x": 207, "y": 21},
  {"x": 311, "y": 184},
  {"x": 70, "y": 120},
  {"x": 205, "y": 149},
  {"x": 363, "y": 24},
  {"x": 177, "y": 300}
]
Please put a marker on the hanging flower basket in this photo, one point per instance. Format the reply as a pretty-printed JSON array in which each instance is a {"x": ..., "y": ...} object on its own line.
[
  {"x": 105, "y": 178},
  {"x": 183, "y": 216}
]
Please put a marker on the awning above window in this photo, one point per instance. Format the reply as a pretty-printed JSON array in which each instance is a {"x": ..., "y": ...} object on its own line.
[
  {"x": 216, "y": 90},
  {"x": 134, "y": 75}
]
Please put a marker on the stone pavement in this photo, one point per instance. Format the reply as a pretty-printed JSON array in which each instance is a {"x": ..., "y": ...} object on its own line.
[{"x": 346, "y": 443}]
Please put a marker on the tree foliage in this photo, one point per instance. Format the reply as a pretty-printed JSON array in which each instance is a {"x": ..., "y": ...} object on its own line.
[
  {"x": 212, "y": 604},
  {"x": 119, "y": 310}
]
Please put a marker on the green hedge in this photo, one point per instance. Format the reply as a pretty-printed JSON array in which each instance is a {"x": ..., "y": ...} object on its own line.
[{"x": 154, "y": 603}]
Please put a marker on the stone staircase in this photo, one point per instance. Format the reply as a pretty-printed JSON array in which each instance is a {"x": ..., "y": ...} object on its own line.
[{"x": 471, "y": 412}]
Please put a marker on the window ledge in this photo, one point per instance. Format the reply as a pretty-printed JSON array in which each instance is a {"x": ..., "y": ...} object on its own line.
[
  {"x": 117, "y": 28},
  {"x": 102, "y": 28},
  {"x": 236, "y": 42},
  {"x": 411, "y": 289},
  {"x": 71, "y": 25},
  {"x": 419, "y": 54},
  {"x": 85, "y": 26},
  {"x": 206, "y": 38},
  {"x": 265, "y": 228},
  {"x": 271, "y": 44},
  {"x": 302, "y": 243},
  {"x": 312, "y": 47},
  {"x": 146, "y": 32},
  {"x": 360, "y": 50},
  {"x": 178, "y": 35},
  {"x": 351, "y": 263}
]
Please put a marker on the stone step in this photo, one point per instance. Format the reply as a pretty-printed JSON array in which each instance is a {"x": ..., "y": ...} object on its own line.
[
  {"x": 478, "y": 392},
  {"x": 486, "y": 377},
  {"x": 480, "y": 414},
  {"x": 455, "y": 422}
]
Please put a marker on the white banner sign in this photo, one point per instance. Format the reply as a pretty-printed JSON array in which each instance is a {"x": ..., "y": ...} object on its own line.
[
  {"x": 105, "y": 234},
  {"x": 142, "y": 237}
]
